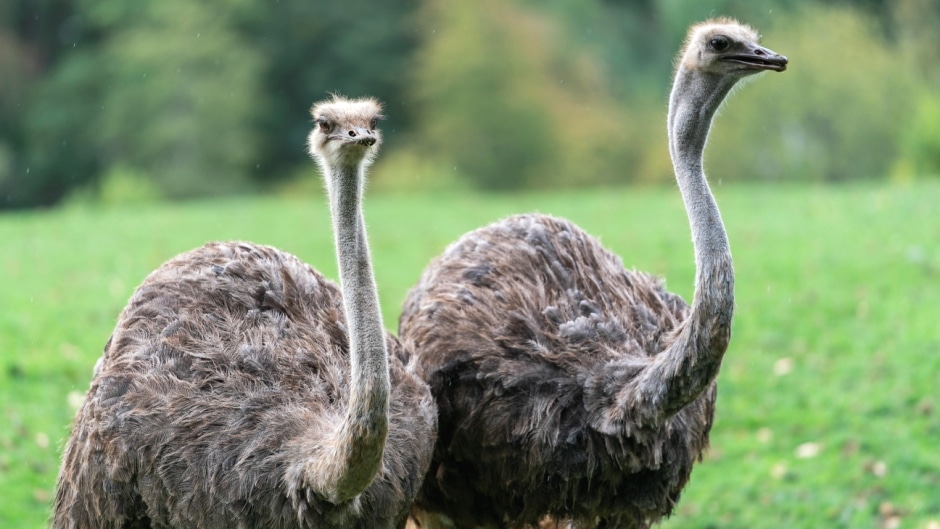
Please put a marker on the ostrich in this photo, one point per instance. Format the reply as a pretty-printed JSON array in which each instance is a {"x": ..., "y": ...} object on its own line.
[
  {"x": 243, "y": 389},
  {"x": 572, "y": 392}
]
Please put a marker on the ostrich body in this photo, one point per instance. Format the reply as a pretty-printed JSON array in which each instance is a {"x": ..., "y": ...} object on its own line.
[
  {"x": 573, "y": 392},
  {"x": 242, "y": 389}
]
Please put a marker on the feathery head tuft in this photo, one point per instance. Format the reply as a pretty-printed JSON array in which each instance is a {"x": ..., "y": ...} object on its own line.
[
  {"x": 725, "y": 46},
  {"x": 345, "y": 131}
]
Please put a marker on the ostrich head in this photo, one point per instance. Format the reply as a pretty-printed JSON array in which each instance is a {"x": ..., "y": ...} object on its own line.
[
  {"x": 345, "y": 132},
  {"x": 725, "y": 47}
]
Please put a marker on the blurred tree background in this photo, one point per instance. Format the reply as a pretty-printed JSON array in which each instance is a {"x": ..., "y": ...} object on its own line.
[{"x": 115, "y": 101}]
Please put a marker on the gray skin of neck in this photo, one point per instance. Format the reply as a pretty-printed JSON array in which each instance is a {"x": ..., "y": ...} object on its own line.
[
  {"x": 678, "y": 375},
  {"x": 356, "y": 452}
]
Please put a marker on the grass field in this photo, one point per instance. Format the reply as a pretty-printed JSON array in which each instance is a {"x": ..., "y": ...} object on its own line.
[{"x": 829, "y": 407}]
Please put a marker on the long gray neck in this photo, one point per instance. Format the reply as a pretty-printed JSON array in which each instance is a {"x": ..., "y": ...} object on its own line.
[
  {"x": 361, "y": 437},
  {"x": 683, "y": 371},
  {"x": 694, "y": 99}
]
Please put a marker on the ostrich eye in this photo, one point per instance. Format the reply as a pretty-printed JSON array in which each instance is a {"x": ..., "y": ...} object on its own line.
[
  {"x": 719, "y": 43},
  {"x": 324, "y": 125},
  {"x": 375, "y": 121}
]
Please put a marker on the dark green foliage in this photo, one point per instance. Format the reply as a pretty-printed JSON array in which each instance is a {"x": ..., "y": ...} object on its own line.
[
  {"x": 921, "y": 142},
  {"x": 519, "y": 109},
  {"x": 468, "y": 108},
  {"x": 200, "y": 98},
  {"x": 208, "y": 98},
  {"x": 917, "y": 22},
  {"x": 61, "y": 148},
  {"x": 181, "y": 94},
  {"x": 837, "y": 114},
  {"x": 310, "y": 49},
  {"x": 29, "y": 44}
]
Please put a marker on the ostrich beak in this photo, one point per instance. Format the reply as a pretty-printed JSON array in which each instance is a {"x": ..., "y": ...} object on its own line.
[
  {"x": 362, "y": 136},
  {"x": 366, "y": 137},
  {"x": 759, "y": 58},
  {"x": 357, "y": 136}
]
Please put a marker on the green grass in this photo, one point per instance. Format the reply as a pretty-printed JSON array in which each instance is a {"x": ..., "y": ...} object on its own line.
[{"x": 836, "y": 337}]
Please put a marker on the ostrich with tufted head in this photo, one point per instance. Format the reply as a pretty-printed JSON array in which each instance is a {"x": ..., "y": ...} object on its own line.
[
  {"x": 573, "y": 392},
  {"x": 241, "y": 388}
]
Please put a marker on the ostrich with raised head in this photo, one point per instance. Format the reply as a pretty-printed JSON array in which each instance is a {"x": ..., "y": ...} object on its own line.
[
  {"x": 241, "y": 388},
  {"x": 573, "y": 392}
]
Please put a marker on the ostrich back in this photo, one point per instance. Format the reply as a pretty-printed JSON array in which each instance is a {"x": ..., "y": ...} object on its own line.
[
  {"x": 531, "y": 335},
  {"x": 227, "y": 369}
]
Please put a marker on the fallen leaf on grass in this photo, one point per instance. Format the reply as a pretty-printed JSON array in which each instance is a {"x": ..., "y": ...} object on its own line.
[
  {"x": 850, "y": 448},
  {"x": 783, "y": 366},
  {"x": 925, "y": 406},
  {"x": 808, "y": 450},
  {"x": 41, "y": 495},
  {"x": 890, "y": 515},
  {"x": 764, "y": 435},
  {"x": 892, "y": 522},
  {"x": 877, "y": 468},
  {"x": 75, "y": 399}
]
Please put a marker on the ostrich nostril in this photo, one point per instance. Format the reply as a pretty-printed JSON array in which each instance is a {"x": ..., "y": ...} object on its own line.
[{"x": 352, "y": 133}]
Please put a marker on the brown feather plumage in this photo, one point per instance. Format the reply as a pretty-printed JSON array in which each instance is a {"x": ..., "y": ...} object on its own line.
[
  {"x": 537, "y": 331},
  {"x": 227, "y": 367}
]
